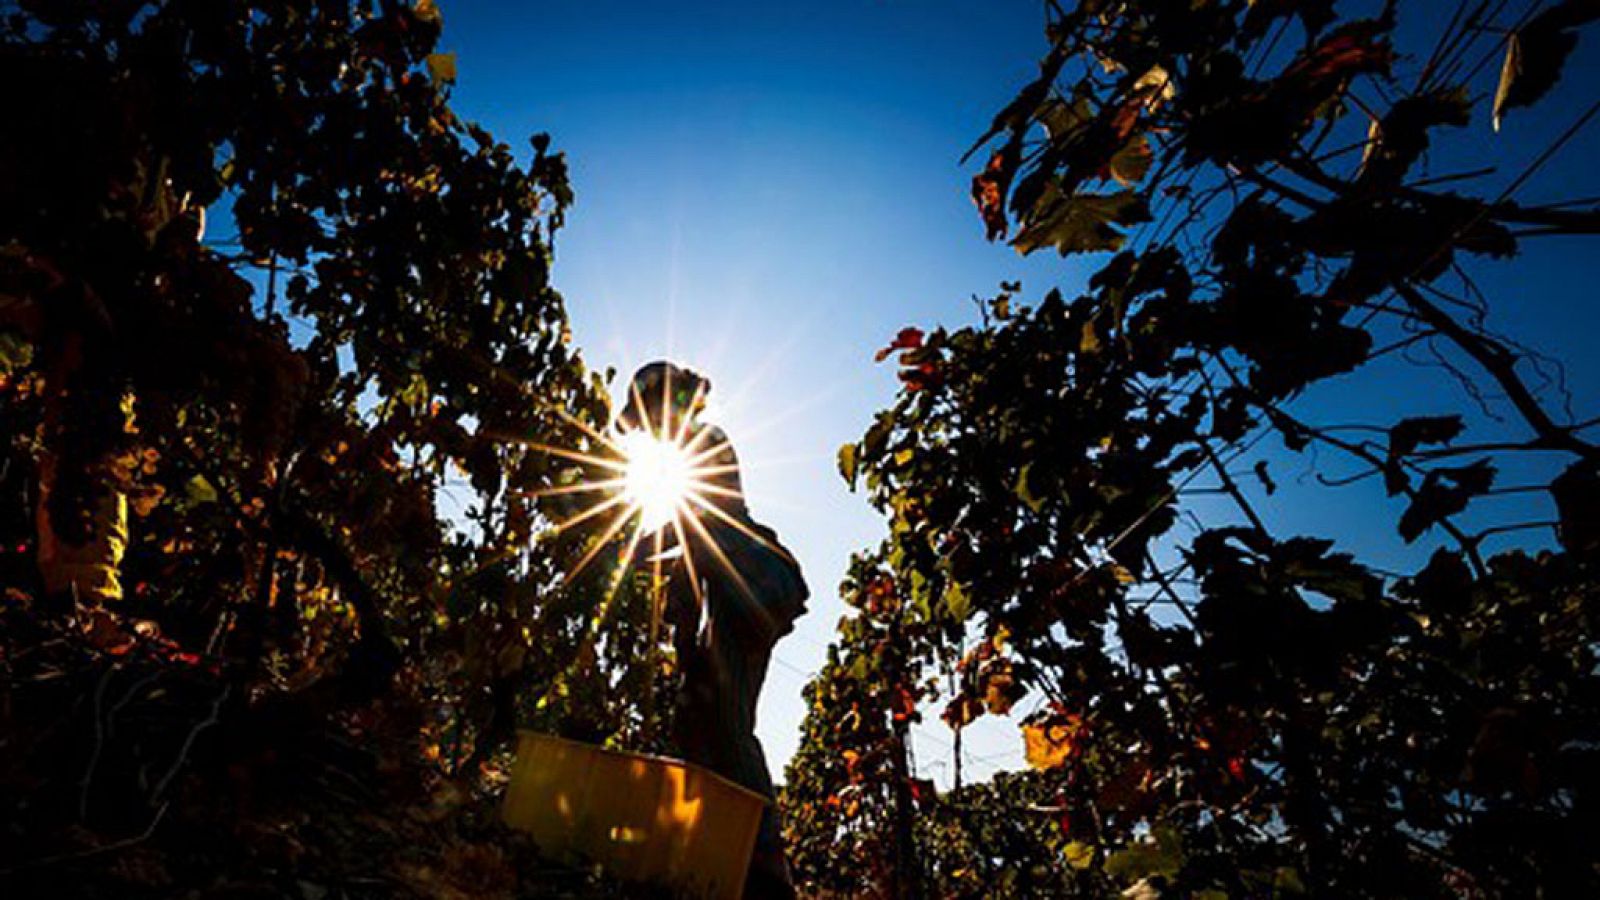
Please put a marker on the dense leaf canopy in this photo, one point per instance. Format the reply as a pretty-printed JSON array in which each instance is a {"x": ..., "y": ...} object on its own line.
[
  {"x": 1216, "y": 709},
  {"x": 278, "y": 353}
]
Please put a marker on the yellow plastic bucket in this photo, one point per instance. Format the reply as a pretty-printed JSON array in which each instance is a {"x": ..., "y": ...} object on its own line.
[{"x": 644, "y": 818}]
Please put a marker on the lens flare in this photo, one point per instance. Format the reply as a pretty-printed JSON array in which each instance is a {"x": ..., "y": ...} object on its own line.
[
  {"x": 658, "y": 479},
  {"x": 666, "y": 479}
]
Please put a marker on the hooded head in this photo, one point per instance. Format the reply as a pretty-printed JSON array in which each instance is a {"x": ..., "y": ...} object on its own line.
[{"x": 662, "y": 396}]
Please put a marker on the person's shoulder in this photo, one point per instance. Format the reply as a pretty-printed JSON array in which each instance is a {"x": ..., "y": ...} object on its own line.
[
  {"x": 713, "y": 432},
  {"x": 711, "y": 439}
]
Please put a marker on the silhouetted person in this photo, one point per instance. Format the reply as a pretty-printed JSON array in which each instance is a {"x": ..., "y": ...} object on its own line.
[{"x": 752, "y": 592}]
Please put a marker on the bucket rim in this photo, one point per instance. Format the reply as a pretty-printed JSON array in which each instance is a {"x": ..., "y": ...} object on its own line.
[{"x": 525, "y": 734}]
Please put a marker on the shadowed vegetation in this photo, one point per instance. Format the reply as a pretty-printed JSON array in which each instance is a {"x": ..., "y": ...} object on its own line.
[{"x": 1078, "y": 537}]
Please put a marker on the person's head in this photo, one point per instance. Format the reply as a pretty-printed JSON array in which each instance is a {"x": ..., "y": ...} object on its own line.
[{"x": 661, "y": 396}]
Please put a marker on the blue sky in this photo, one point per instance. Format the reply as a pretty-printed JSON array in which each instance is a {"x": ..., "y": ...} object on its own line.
[{"x": 767, "y": 192}]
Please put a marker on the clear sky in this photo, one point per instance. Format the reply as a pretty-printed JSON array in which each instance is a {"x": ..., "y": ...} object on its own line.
[{"x": 767, "y": 192}]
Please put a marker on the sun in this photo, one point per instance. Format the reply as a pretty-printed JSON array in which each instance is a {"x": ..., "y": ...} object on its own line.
[
  {"x": 658, "y": 477},
  {"x": 659, "y": 492}
]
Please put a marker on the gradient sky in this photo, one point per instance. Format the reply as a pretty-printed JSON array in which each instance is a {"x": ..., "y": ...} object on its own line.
[{"x": 767, "y": 192}]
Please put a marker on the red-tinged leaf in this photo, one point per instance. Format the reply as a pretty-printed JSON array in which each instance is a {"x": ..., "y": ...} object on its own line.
[
  {"x": 1352, "y": 50},
  {"x": 904, "y": 703},
  {"x": 922, "y": 791},
  {"x": 921, "y": 377},
  {"x": 989, "y": 189},
  {"x": 907, "y": 339},
  {"x": 1126, "y": 118}
]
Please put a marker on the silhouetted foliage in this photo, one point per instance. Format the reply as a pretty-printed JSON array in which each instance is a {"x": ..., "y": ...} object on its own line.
[
  {"x": 849, "y": 802},
  {"x": 1219, "y": 709},
  {"x": 248, "y": 442}
]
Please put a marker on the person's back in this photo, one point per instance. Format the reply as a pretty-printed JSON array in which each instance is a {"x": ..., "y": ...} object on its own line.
[
  {"x": 753, "y": 592},
  {"x": 733, "y": 593}
]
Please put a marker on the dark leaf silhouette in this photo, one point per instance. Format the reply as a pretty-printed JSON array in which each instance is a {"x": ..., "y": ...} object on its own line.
[
  {"x": 1082, "y": 223},
  {"x": 1444, "y": 492},
  {"x": 1086, "y": 527},
  {"x": 1537, "y": 52}
]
